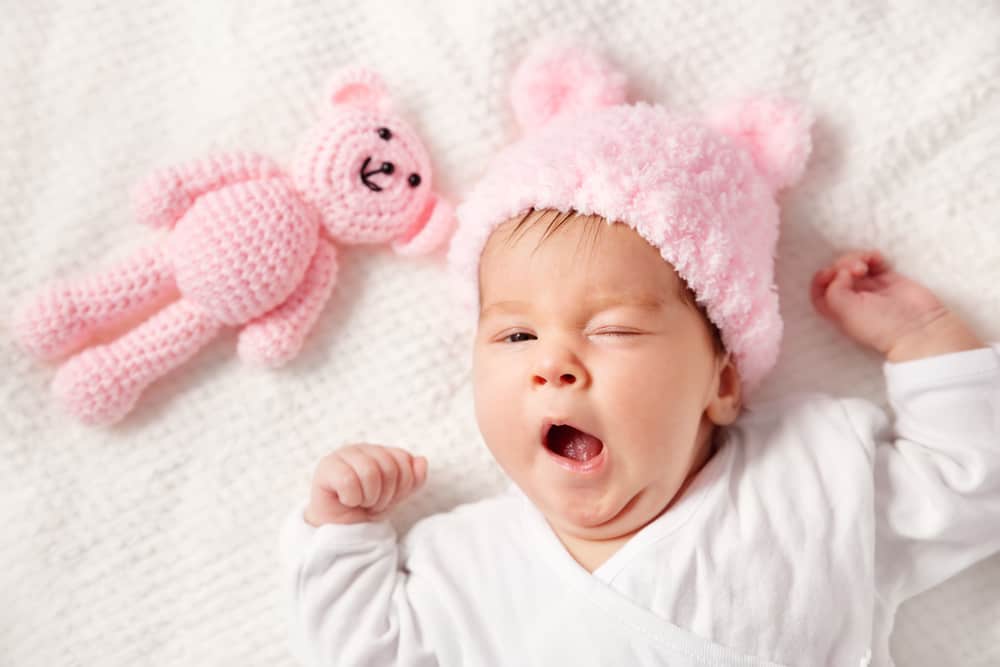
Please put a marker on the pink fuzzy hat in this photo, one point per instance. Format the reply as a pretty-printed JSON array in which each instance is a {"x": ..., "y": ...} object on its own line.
[{"x": 701, "y": 191}]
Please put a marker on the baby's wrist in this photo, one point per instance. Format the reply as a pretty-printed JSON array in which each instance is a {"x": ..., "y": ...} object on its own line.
[{"x": 942, "y": 335}]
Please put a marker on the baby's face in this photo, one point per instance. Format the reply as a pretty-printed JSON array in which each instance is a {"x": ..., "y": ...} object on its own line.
[{"x": 594, "y": 335}]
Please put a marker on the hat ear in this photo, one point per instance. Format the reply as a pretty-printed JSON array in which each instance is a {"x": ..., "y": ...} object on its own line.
[
  {"x": 559, "y": 76},
  {"x": 358, "y": 86},
  {"x": 775, "y": 130}
]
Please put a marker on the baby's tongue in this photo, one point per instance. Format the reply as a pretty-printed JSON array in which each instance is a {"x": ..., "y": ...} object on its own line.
[{"x": 573, "y": 444}]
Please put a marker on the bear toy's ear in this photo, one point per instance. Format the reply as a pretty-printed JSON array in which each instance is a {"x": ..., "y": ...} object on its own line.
[
  {"x": 358, "y": 86},
  {"x": 559, "y": 76},
  {"x": 775, "y": 131}
]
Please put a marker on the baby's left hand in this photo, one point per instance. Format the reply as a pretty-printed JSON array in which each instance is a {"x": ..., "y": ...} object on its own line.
[{"x": 870, "y": 302}]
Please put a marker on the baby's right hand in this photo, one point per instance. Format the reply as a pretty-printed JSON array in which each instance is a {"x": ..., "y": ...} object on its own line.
[{"x": 359, "y": 483}]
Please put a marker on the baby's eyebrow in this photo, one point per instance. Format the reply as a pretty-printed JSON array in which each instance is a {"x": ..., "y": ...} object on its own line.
[
  {"x": 644, "y": 301},
  {"x": 596, "y": 302},
  {"x": 503, "y": 305}
]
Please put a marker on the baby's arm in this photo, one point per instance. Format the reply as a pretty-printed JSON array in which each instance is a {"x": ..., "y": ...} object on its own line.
[
  {"x": 348, "y": 597},
  {"x": 937, "y": 468}
]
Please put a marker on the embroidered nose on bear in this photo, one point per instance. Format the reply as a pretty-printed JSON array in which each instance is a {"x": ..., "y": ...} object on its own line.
[{"x": 385, "y": 168}]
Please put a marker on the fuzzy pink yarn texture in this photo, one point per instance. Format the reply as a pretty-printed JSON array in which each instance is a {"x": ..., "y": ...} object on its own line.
[
  {"x": 247, "y": 244},
  {"x": 700, "y": 189}
]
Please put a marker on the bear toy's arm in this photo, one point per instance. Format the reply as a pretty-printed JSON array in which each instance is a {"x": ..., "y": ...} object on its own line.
[
  {"x": 165, "y": 195},
  {"x": 277, "y": 336}
]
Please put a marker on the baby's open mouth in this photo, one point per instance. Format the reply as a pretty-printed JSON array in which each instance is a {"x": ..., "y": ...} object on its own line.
[{"x": 569, "y": 442}]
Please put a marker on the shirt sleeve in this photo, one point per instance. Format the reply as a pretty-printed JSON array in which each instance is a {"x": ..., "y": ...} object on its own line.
[
  {"x": 346, "y": 595},
  {"x": 936, "y": 470}
]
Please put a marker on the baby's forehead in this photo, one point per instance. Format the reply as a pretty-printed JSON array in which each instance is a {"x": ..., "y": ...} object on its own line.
[{"x": 615, "y": 262}]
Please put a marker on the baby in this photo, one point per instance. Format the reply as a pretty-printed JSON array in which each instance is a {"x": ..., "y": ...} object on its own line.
[{"x": 619, "y": 260}]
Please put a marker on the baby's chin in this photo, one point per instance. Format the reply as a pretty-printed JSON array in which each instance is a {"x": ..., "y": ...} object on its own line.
[{"x": 609, "y": 517}]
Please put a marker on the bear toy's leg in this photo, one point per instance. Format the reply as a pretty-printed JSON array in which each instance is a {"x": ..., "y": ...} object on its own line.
[
  {"x": 101, "y": 384},
  {"x": 63, "y": 317}
]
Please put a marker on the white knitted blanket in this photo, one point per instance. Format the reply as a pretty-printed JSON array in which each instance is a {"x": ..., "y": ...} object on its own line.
[{"x": 154, "y": 542}]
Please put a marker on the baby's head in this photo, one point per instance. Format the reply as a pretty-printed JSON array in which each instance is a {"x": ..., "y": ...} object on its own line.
[
  {"x": 619, "y": 260},
  {"x": 582, "y": 323}
]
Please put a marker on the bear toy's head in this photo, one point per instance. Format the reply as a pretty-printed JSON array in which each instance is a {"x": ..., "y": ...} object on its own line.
[{"x": 368, "y": 172}]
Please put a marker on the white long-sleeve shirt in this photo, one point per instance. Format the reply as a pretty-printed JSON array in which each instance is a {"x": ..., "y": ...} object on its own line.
[{"x": 794, "y": 545}]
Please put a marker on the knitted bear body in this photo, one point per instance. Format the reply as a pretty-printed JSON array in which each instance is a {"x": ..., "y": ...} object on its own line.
[{"x": 241, "y": 251}]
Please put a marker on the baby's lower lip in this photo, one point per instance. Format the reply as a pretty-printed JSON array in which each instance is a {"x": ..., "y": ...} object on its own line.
[{"x": 590, "y": 466}]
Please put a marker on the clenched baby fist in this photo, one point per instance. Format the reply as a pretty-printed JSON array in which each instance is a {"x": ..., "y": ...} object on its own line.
[{"x": 362, "y": 482}]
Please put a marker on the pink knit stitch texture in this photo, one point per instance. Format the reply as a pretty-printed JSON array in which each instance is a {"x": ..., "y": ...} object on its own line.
[
  {"x": 248, "y": 244},
  {"x": 702, "y": 192}
]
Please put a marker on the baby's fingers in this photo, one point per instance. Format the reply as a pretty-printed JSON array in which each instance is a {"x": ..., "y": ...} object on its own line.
[
  {"x": 391, "y": 480},
  {"x": 413, "y": 471},
  {"x": 832, "y": 287},
  {"x": 817, "y": 291},
  {"x": 860, "y": 262},
  {"x": 833, "y": 295},
  {"x": 420, "y": 470},
  {"x": 335, "y": 475},
  {"x": 360, "y": 482},
  {"x": 839, "y": 294},
  {"x": 399, "y": 472},
  {"x": 375, "y": 473}
]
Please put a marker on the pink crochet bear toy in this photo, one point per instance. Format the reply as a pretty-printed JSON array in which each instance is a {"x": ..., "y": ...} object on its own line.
[{"x": 248, "y": 244}]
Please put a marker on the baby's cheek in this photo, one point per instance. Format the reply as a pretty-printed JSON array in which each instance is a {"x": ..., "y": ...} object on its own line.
[
  {"x": 490, "y": 386},
  {"x": 497, "y": 400},
  {"x": 483, "y": 389}
]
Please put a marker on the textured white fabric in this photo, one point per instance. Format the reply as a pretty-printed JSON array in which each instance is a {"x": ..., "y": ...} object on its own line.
[
  {"x": 794, "y": 545},
  {"x": 153, "y": 543}
]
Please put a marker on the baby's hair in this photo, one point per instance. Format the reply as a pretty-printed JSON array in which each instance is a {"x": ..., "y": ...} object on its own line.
[{"x": 595, "y": 223}]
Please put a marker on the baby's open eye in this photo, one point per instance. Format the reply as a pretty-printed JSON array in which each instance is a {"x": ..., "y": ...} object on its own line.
[{"x": 518, "y": 336}]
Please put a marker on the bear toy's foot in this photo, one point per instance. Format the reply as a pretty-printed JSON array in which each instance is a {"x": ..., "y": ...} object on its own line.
[
  {"x": 101, "y": 385},
  {"x": 88, "y": 391},
  {"x": 50, "y": 326}
]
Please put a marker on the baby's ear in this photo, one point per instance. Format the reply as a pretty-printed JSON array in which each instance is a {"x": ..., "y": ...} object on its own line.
[
  {"x": 358, "y": 86},
  {"x": 775, "y": 131},
  {"x": 558, "y": 76}
]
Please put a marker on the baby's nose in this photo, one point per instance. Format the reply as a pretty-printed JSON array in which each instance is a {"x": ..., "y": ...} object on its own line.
[
  {"x": 559, "y": 368},
  {"x": 565, "y": 378}
]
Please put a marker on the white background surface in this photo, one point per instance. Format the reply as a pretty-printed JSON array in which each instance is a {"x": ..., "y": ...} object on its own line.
[{"x": 153, "y": 543}]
